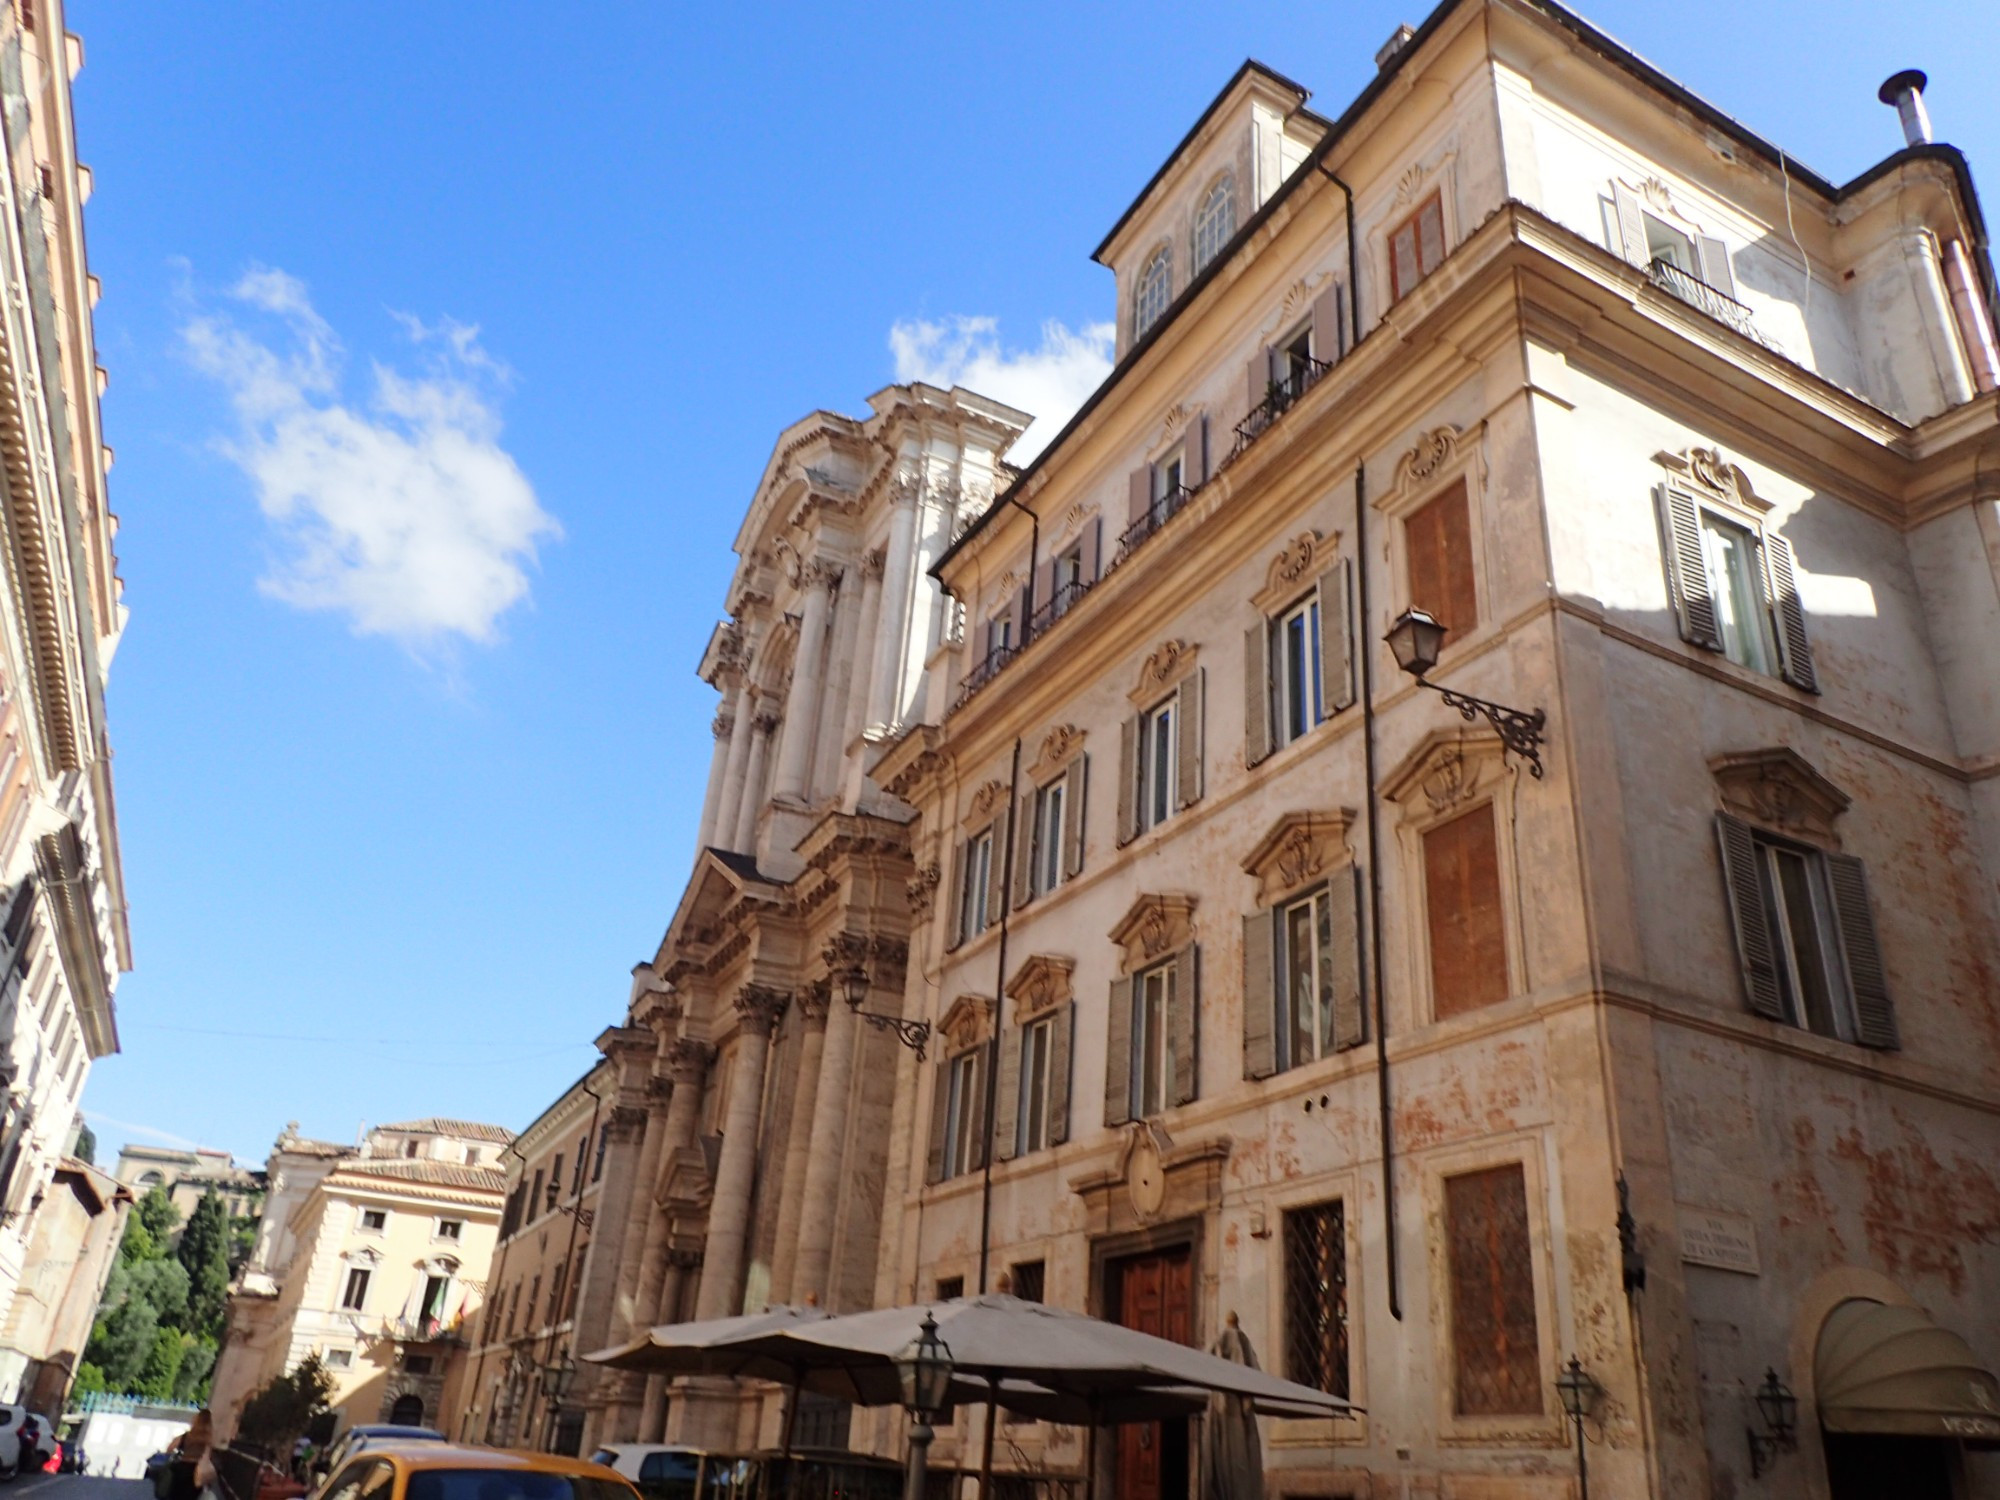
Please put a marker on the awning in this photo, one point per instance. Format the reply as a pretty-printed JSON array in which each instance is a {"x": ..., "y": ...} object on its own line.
[{"x": 1890, "y": 1369}]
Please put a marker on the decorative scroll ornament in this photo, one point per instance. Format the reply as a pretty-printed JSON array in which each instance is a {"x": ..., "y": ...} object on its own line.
[
  {"x": 688, "y": 1059},
  {"x": 1041, "y": 984},
  {"x": 1432, "y": 452},
  {"x": 1176, "y": 420},
  {"x": 1710, "y": 469},
  {"x": 1658, "y": 195},
  {"x": 921, "y": 889},
  {"x": 988, "y": 797},
  {"x": 1297, "y": 299},
  {"x": 1060, "y": 743},
  {"x": 723, "y": 725},
  {"x": 1410, "y": 184},
  {"x": 760, "y": 1006},
  {"x": 1299, "y": 858},
  {"x": 1166, "y": 663}
]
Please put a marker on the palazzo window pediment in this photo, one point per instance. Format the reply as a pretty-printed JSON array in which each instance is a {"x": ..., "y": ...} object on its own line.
[
  {"x": 1158, "y": 923},
  {"x": 1782, "y": 790},
  {"x": 1299, "y": 848},
  {"x": 1041, "y": 985},
  {"x": 965, "y": 1024}
]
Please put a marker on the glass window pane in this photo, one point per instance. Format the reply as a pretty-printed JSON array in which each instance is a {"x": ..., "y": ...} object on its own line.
[
  {"x": 1323, "y": 952},
  {"x": 1801, "y": 936},
  {"x": 1302, "y": 1035},
  {"x": 1312, "y": 660},
  {"x": 1735, "y": 569}
]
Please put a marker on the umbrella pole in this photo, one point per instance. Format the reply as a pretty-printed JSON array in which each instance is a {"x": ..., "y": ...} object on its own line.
[
  {"x": 986, "y": 1453},
  {"x": 1090, "y": 1456},
  {"x": 792, "y": 1410}
]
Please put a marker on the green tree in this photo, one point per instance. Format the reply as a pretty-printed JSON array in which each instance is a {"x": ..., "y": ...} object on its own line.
[
  {"x": 89, "y": 1381},
  {"x": 163, "y": 1285},
  {"x": 204, "y": 1253},
  {"x": 197, "y": 1364},
  {"x": 275, "y": 1416},
  {"x": 157, "y": 1212},
  {"x": 123, "y": 1337},
  {"x": 138, "y": 1243},
  {"x": 162, "y": 1366},
  {"x": 85, "y": 1149}
]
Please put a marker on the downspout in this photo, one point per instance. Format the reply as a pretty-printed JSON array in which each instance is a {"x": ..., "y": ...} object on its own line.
[
  {"x": 1353, "y": 264},
  {"x": 1006, "y": 873},
  {"x": 1387, "y": 1122},
  {"x": 1972, "y": 321}
]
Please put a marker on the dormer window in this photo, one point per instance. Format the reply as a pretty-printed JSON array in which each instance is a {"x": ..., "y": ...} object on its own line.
[
  {"x": 1156, "y": 290},
  {"x": 1214, "y": 221}
]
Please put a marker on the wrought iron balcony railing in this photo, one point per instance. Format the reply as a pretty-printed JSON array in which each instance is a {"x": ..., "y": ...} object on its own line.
[
  {"x": 1279, "y": 397},
  {"x": 1163, "y": 509},
  {"x": 1053, "y": 609},
  {"x": 1692, "y": 290},
  {"x": 991, "y": 665}
]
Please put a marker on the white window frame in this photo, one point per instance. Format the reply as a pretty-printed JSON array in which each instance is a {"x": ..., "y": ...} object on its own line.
[
  {"x": 1679, "y": 243},
  {"x": 1318, "y": 907},
  {"x": 1214, "y": 221},
  {"x": 457, "y": 1234},
  {"x": 381, "y": 1213},
  {"x": 341, "y": 1358},
  {"x": 1152, "y": 1021},
  {"x": 1305, "y": 615},
  {"x": 349, "y": 1302},
  {"x": 1170, "y": 472},
  {"x": 1755, "y": 644},
  {"x": 1155, "y": 292},
  {"x": 1032, "y": 1120},
  {"x": 1046, "y": 870},
  {"x": 1065, "y": 577},
  {"x": 978, "y": 882},
  {"x": 1824, "y": 934},
  {"x": 960, "y": 1078},
  {"x": 1159, "y": 776}
]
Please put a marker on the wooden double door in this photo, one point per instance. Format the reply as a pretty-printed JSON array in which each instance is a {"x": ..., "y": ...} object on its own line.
[{"x": 1153, "y": 1293}]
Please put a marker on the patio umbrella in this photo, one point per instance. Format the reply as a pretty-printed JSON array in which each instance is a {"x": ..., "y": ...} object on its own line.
[
  {"x": 750, "y": 1346},
  {"x": 1232, "y": 1453}
]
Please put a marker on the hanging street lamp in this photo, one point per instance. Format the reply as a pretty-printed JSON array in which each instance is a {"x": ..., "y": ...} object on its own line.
[{"x": 1416, "y": 638}]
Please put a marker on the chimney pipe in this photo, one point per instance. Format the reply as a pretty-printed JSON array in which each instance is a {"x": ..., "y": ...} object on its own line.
[{"x": 1906, "y": 92}]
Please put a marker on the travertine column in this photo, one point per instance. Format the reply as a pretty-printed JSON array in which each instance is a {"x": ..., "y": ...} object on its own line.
[
  {"x": 798, "y": 1142},
  {"x": 802, "y": 702},
  {"x": 761, "y": 730},
  {"x": 663, "y": 1268},
  {"x": 718, "y": 768},
  {"x": 886, "y": 677},
  {"x": 821, "y": 1204},
  {"x": 829, "y": 744},
  {"x": 730, "y": 806},
  {"x": 758, "y": 1009}
]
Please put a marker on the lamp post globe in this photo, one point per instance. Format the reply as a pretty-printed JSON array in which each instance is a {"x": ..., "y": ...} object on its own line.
[
  {"x": 854, "y": 987},
  {"x": 1415, "y": 639},
  {"x": 1778, "y": 1407},
  {"x": 925, "y": 1369}
]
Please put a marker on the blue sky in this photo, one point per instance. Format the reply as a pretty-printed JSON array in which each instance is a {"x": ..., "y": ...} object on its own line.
[{"x": 509, "y": 301}]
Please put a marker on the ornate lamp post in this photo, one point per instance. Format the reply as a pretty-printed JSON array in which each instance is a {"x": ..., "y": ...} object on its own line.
[
  {"x": 915, "y": 1035},
  {"x": 924, "y": 1367},
  {"x": 1416, "y": 639},
  {"x": 557, "y": 1378},
  {"x": 1779, "y": 1409},
  {"x": 1579, "y": 1394}
]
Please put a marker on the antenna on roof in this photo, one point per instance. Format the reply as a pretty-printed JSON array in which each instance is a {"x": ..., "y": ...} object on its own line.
[{"x": 1906, "y": 92}]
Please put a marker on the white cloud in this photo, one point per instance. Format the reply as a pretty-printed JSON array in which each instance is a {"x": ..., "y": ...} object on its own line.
[
  {"x": 401, "y": 512},
  {"x": 1050, "y": 382}
]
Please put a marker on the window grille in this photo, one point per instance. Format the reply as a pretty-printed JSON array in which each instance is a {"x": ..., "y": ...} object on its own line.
[
  {"x": 1316, "y": 1297},
  {"x": 1496, "y": 1357},
  {"x": 1029, "y": 1278}
]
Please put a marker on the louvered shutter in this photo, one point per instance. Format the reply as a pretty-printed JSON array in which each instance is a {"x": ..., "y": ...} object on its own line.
[
  {"x": 1093, "y": 549},
  {"x": 1061, "y": 1034},
  {"x": 1188, "y": 709},
  {"x": 1712, "y": 255},
  {"x": 1007, "y": 1099},
  {"x": 1118, "y": 1054},
  {"x": 1021, "y": 618},
  {"x": 1258, "y": 379},
  {"x": 1795, "y": 660},
  {"x": 1024, "y": 850},
  {"x": 1336, "y": 636},
  {"x": 996, "y": 873},
  {"x": 1631, "y": 224},
  {"x": 982, "y": 644},
  {"x": 1687, "y": 569},
  {"x": 975, "y": 1110},
  {"x": 1138, "y": 495},
  {"x": 1182, "y": 1022},
  {"x": 1045, "y": 589},
  {"x": 1874, "y": 1016},
  {"x": 1076, "y": 786},
  {"x": 955, "y": 894},
  {"x": 1754, "y": 947},
  {"x": 1326, "y": 324},
  {"x": 1128, "y": 781},
  {"x": 1260, "y": 1000},
  {"x": 940, "y": 1110},
  {"x": 1257, "y": 692},
  {"x": 1350, "y": 1014}
]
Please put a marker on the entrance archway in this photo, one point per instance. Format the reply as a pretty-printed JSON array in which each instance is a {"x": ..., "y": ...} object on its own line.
[{"x": 408, "y": 1411}]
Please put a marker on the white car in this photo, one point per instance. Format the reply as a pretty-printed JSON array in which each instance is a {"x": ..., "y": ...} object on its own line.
[
  {"x": 11, "y": 1420},
  {"x": 651, "y": 1465}
]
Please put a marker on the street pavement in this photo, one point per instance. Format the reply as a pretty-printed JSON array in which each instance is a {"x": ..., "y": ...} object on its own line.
[{"x": 77, "y": 1487}]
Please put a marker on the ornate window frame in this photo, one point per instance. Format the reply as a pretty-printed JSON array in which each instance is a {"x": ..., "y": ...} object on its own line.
[
  {"x": 1437, "y": 458},
  {"x": 1349, "y": 1187}
]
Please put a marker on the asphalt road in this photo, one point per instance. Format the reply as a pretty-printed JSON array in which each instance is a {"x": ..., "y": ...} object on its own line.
[{"x": 76, "y": 1487}]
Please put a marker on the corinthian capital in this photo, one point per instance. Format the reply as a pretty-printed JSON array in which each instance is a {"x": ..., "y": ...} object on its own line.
[
  {"x": 688, "y": 1060},
  {"x": 759, "y": 1007}
]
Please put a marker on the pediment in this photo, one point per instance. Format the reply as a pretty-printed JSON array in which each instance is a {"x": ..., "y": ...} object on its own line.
[
  {"x": 1449, "y": 768},
  {"x": 1157, "y": 924},
  {"x": 1299, "y": 848},
  {"x": 1294, "y": 569},
  {"x": 1172, "y": 660},
  {"x": 1041, "y": 985},
  {"x": 1706, "y": 470},
  {"x": 1059, "y": 746},
  {"x": 964, "y": 1025},
  {"x": 1782, "y": 790}
]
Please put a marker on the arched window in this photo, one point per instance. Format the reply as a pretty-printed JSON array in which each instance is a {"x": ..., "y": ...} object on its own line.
[
  {"x": 1156, "y": 290},
  {"x": 1214, "y": 221},
  {"x": 408, "y": 1411}
]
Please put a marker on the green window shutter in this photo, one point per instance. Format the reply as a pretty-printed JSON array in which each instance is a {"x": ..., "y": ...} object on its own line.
[
  {"x": 955, "y": 894},
  {"x": 1061, "y": 1034},
  {"x": 1076, "y": 785},
  {"x": 1350, "y": 1013},
  {"x": 1336, "y": 636},
  {"x": 1687, "y": 569},
  {"x": 1118, "y": 1054},
  {"x": 1024, "y": 851},
  {"x": 1128, "y": 781},
  {"x": 1874, "y": 1016},
  {"x": 1182, "y": 1025},
  {"x": 940, "y": 1109},
  {"x": 1754, "y": 947},
  {"x": 1007, "y": 1098},
  {"x": 1260, "y": 998},
  {"x": 1257, "y": 692},
  {"x": 1795, "y": 659},
  {"x": 1189, "y": 733}
]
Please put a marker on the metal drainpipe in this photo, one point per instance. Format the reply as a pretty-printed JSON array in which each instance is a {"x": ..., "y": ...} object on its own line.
[
  {"x": 1353, "y": 265},
  {"x": 999, "y": 1000},
  {"x": 1366, "y": 645}
]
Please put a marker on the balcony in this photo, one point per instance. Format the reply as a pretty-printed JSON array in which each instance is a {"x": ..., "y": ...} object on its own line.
[
  {"x": 988, "y": 667},
  {"x": 424, "y": 1331},
  {"x": 1279, "y": 397},
  {"x": 1163, "y": 509},
  {"x": 1697, "y": 293},
  {"x": 1052, "y": 610}
]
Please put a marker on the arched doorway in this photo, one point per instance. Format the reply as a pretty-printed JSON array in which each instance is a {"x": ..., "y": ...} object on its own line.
[{"x": 408, "y": 1411}]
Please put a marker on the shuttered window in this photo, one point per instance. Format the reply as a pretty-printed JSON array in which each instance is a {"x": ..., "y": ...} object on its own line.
[
  {"x": 1032, "y": 1100},
  {"x": 1302, "y": 978},
  {"x": 1805, "y": 936},
  {"x": 1032, "y": 1127},
  {"x": 976, "y": 893},
  {"x": 1316, "y": 1296},
  {"x": 1438, "y": 540},
  {"x": 1299, "y": 666},
  {"x": 1416, "y": 246},
  {"x": 1152, "y": 1067},
  {"x": 1734, "y": 588},
  {"x": 1150, "y": 1053},
  {"x": 1159, "y": 764},
  {"x": 958, "y": 1137},
  {"x": 1495, "y": 1355},
  {"x": 1462, "y": 898}
]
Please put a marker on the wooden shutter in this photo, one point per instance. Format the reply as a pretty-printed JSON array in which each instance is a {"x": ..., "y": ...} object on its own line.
[
  {"x": 1007, "y": 1098},
  {"x": 1093, "y": 550},
  {"x": 1438, "y": 538},
  {"x": 1336, "y": 636},
  {"x": 1350, "y": 1014},
  {"x": 1755, "y": 950},
  {"x": 1687, "y": 569},
  {"x": 975, "y": 1111},
  {"x": 1183, "y": 1015},
  {"x": 1257, "y": 692},
  {"x": 1187, "y": 731},
  {"x": 1462, "y": 896},
  {"x": 1194, "y": 452},
  {"x": 1076, "y": 786},
  {"x": 1258, "y": 381},
  {"x": 1061, "y": 1035},
  {"x": 1631, "y": 225},
  {"x": 996, "y": 872},
  {"x": 940, "y": 1111},
  {"x": 1260, "y": 995},
  {"x": 955, "y": 894},
  {"x": 1874, "y": 1016},
  {"x": 1025, "y": 829},
  {"x": 1326, "y": 324},
  {"x": 1118, "y": 1054},
  {"x": 1404, "y": 271},
  {"x": 1712, "y": 255},
  {"x": 1489, "y": 1252},
  {"x": 1430, "y": 234},
  {"x": 1021, "y": 618},
  {"x": 1138, "y": 495},
  {"x": 1045, "y": 586},
  {"x": 1795, "y": 660},
  {"x": 1128, "y": 781}
]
